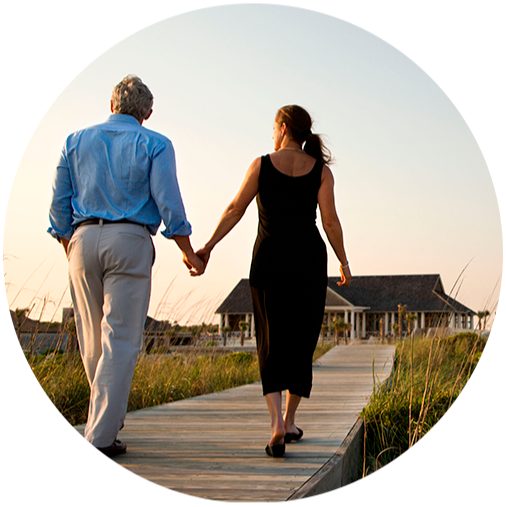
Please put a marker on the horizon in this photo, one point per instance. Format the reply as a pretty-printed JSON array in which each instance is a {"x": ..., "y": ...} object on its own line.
[{"x": 488, "y": 321}]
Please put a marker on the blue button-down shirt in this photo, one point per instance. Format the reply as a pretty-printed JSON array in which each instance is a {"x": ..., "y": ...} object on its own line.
[{"x": 117, "y": 170}]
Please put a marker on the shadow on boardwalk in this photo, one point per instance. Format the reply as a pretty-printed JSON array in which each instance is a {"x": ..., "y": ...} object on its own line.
[{"x": 212, "y": 446}]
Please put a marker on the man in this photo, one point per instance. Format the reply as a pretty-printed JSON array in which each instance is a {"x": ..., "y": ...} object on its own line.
[{"x": 114, "y": 184}]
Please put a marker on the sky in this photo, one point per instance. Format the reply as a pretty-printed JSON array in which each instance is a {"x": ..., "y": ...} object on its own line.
[
  {"x": 412, "y": 189},
  {"x": 460, "y": 44}
]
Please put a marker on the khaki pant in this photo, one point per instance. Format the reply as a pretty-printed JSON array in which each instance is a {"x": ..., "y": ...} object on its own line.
[{"x": 110, "y": 284}]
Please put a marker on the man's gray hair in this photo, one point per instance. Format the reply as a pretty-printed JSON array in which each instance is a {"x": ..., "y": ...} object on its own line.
[{"x": 132, "y": 96}]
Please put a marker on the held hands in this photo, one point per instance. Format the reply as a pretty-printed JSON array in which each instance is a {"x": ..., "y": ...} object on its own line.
[
  {"x": 191, "y": 260},
  {"x": 204, "y": 254},
  {"x": 197, "y": 262},
  {"x": 345, "y": 275},
  {"x": 194, "y": 263}
]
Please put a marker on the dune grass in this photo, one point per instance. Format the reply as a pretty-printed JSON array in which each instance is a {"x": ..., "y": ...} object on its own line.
[
  {"x": 427, "y": 377},
  {"x": 158, "y": 378}
]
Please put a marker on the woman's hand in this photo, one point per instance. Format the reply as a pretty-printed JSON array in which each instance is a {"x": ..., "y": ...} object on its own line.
[{"x": 345, "y": 275}]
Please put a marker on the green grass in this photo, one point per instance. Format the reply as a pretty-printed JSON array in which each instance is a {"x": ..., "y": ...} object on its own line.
[
  {"x": 428, "y": 375},
  {"x": 161, "y": 379},
  {"x": 158, "y": 378},
  {"x": 63, "y": 379}
]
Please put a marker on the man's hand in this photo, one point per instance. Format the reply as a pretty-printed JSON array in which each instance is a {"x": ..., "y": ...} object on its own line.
[{"x": 65, "y": 244}]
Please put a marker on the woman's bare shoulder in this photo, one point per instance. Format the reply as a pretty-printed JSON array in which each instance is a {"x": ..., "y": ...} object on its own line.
[
  {"x": 327, "y": 174},
  {"x": 255, "y": 165}
]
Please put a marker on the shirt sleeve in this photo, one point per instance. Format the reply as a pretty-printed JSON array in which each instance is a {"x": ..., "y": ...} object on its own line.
[
  {"x": 60, "y": 211},
  {"x": 166, "y": 194}
]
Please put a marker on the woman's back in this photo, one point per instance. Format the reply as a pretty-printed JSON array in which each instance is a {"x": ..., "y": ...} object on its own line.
[
  {"x": 293, "y": 163},
  {"x": 288, "y": 242}
]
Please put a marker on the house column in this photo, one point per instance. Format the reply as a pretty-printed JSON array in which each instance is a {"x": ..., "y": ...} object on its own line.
[
  {"x": 248, "y": 321},
  {"x": 252, "y": 326},
  {"x": 364, "y": 330},
  {"x": 346, "y": 318},
  {"x": 392, "y": 322},
  {"x": 422, "y": 325},
  {"x": 452, "y": 320},
  {"x": 221, "y": 324},
  {"x": 352, "y": 332},
  {"x": 385, "y": 325}
]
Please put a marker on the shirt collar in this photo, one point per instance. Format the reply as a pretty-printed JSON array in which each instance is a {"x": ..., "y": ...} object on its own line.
[{"x": 124, "y": 118}]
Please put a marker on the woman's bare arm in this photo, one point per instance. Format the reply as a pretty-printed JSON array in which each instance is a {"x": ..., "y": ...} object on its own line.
[
  {"x": 331, "y": 223},
  {"x": 235, "y": 210}
]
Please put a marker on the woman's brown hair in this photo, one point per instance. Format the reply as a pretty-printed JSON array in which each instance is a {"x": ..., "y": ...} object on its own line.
[{"x": 299, "y": 123}]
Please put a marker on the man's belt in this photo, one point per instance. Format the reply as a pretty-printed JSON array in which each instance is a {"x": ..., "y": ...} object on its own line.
[{"x": 91, "y": 221}]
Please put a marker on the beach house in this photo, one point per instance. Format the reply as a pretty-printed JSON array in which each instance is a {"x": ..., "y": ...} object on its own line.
[{"x": 383, "y": 305}]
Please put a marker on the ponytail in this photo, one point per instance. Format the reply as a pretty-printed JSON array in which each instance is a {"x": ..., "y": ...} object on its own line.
[{"x": 315, "y": 147}]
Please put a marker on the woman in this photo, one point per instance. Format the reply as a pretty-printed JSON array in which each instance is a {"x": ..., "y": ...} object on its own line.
[{"x": 288, "y": 276}]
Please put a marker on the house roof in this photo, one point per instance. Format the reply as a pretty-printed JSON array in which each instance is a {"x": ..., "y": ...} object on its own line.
[
  {"x": 23, "y": 324},
  {"x": 334, "y": 299},
  {"x": 239, "y": 300},
  {"x": 422, "y": 293}
]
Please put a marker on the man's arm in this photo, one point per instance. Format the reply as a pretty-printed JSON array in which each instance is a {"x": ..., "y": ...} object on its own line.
[
  {"x": 164, "y": 188},
  {"x": 60, "y": 211}
]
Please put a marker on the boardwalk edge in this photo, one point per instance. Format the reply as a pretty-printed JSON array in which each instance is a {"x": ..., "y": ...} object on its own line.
[{"x": 343, "y": 468}]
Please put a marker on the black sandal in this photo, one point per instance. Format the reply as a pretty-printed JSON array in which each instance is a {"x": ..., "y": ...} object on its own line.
[
  {"x": 294, "y": 437},
  {"x": 276, "y": 450}
]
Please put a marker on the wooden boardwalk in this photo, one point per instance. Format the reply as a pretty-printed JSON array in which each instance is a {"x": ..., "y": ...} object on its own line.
[{"x": 212, "y": 446}]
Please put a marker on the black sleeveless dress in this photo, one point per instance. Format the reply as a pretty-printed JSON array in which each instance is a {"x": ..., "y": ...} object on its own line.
[{"x": 288, "y": 278}]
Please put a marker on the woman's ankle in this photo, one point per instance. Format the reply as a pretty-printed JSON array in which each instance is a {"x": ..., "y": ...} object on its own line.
[{"x": 278, "y": 435}]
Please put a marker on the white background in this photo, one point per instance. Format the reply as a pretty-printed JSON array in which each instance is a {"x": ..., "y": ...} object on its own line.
[{"x": 46, "y": 44}]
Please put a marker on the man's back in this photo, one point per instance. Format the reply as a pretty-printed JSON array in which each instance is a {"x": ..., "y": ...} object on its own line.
[
  {"x": 118, "y": 170},
  {"x": 116, "y": 153}
]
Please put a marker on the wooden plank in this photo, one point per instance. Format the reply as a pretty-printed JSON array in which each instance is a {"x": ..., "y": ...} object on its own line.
[{"x": 212, "y": 446}]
